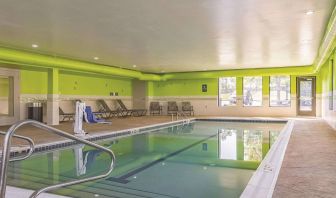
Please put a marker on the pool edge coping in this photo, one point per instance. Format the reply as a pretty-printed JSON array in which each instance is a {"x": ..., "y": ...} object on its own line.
[{"x": 264, "y": 179}]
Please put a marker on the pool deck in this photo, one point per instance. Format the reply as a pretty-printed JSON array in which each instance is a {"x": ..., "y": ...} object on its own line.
[
  {"x": 308, "y": 169},
  {"x": 309, "y": 166}
]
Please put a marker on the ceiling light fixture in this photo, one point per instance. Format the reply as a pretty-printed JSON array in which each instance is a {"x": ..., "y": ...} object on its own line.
[
  {"x": 34, "y": 45},
  {"x": 96, "y": 58},
  {"x": 310, "y": 12}
]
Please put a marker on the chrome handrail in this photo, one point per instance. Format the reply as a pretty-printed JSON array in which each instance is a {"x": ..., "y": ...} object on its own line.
[
  {"x": 6, "y": 152},
  {"x": 179, "y": 114},
  {"x": 31, "y": 145}
]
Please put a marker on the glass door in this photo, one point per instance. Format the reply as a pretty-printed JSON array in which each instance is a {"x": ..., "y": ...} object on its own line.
[{"x": 306, "y": 96}]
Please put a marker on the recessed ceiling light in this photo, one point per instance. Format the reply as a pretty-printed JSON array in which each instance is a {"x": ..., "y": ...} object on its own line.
[
  {"x": 34, "y": 45},
  {"x": 310, "y": 12},
  {"x": 96, "y": 58},
  {"x": 134, "y": 66}
]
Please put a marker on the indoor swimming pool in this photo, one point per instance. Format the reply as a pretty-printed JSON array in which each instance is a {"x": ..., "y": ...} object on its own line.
[{"x": 198, "y": 159}]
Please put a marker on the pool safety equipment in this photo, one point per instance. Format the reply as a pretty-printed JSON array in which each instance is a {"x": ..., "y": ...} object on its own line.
[{"x": 80, "y": 114}]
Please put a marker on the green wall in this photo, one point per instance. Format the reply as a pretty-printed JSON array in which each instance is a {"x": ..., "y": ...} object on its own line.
[
  {"x": 325, "y": 74},
  {"x": 193, "y": 87},
  {"x": 4, "y": 87},
  {"x": 79, "y": 84},
  {"x": 33, "y": 82},
  {"x": 71, "y": 83}
]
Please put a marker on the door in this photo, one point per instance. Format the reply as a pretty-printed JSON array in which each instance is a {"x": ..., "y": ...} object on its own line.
[
  {"x": 139, "y": 94},
  {"x": 306, "y": 96},
  {"x": 9, "y": 96}
]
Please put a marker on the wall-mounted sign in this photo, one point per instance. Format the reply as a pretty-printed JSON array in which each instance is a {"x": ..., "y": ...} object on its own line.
[{"x": 204, "y": 88}]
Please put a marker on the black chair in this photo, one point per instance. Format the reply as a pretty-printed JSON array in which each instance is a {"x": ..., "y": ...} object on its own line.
[
  {"x": 104, "y": 108},
  {"x": 172, "y": 108},
  {"x": 64, "y": 116},
  {"x": 129, "y": 112},
  {"x": 155, "y": 108},
  {"x": 187, "y": 109}
]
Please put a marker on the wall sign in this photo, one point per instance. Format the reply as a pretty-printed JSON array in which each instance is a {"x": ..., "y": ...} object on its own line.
[{"x": 204, "y": 88}]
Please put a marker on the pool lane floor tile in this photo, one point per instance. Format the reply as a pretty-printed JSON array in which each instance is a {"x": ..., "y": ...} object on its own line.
[{"x": 309, "y": 166}]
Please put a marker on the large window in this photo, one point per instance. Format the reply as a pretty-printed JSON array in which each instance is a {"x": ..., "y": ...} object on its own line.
[
  {"x": 252, "y": 87},
  {"x": 280, "y": 91},
  {"x": 227, "y": 91}
]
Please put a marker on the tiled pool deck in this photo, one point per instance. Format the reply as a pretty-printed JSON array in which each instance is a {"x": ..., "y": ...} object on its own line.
[{"x": 309, "y": 166}]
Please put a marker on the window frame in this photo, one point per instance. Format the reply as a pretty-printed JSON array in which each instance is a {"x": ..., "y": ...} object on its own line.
[
  {"x": 290, "y": 91},
  {"x": 218, "y": 95},
  {"x": 262, "y": 100}
]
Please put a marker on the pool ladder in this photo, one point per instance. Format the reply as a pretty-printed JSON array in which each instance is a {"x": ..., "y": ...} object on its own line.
[
  {"x": 181, "y": 114},
  {"x": 5, "y": 155}
]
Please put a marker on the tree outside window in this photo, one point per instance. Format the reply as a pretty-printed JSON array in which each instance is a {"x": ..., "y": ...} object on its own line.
[
  {"x": 280, "y": 91},
  {"x": 252, "y": 87},
  {"x": 227, "y": 95}
]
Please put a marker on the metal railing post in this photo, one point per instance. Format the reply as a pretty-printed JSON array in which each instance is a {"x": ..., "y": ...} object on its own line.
[{"x": 6, "y": 155}]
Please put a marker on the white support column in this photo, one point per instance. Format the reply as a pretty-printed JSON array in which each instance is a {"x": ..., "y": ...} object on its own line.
[{"x": 53, "y": 97}]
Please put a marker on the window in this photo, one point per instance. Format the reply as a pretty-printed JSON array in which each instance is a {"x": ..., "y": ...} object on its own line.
[
  {"x": 252, "y": 87},
  {"x": 227, "y": 91},
  {"x": 280, "y": 91}
]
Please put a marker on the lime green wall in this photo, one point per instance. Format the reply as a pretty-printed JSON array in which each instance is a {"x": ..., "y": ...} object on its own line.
[
  {"x": 71, "y": 83},
  {"x": 193, "y": 87},
  {"x": 79, "y": 84},
  {"x": 183, "y": 87},
  {"x": 325, "y": 75},
  {"x": 4, "y": 87},
  {"x": 34, "y": 82}
]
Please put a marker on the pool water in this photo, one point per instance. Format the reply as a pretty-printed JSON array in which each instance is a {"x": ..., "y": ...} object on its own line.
[{"x": 200, "y": 159}]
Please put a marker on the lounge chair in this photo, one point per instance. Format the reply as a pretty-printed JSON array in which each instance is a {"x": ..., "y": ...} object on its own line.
[
  {"x": 172, "y": 108},
  {"x": 129, "y": 112},
  {"x": 90, "y": 117},
  {"x": 64, "y": 116},
  {"x": 155, "y": 108},
  {"x": 108, "y": 112},
  {"x": 187, "y": 108}
]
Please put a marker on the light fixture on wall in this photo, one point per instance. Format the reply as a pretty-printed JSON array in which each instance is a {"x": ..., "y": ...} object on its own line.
[
  {"x": 134, "y": 66},
  {"x": 34, "y": 45},
  {"x": 96, "y": 58}
]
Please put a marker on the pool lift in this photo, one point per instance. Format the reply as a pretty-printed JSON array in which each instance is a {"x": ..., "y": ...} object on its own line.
[{"x": 79, "y": 116}]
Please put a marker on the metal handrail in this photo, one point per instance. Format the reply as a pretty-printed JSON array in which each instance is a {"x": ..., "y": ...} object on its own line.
[
  {"x": 6, "y": 152},
  {"x": 31, "y": 145},
  {"x": 179, "y": 114}
]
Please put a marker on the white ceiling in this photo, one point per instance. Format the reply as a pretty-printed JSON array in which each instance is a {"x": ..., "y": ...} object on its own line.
[{"x": 170, "y": 35}]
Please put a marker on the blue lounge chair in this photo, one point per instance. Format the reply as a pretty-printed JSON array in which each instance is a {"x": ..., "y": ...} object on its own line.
[{"x": 91, "y": 117}]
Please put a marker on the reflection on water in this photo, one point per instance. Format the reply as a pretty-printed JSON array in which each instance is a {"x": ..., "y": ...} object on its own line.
[{"x": 247, "y": 143}]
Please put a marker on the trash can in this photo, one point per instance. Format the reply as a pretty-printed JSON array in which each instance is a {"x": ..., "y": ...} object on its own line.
[{"x": 35, "y": 111}]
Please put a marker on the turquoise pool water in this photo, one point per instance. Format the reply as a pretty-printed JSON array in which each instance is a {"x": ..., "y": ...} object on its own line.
[{"x": 200, "y": 159}]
